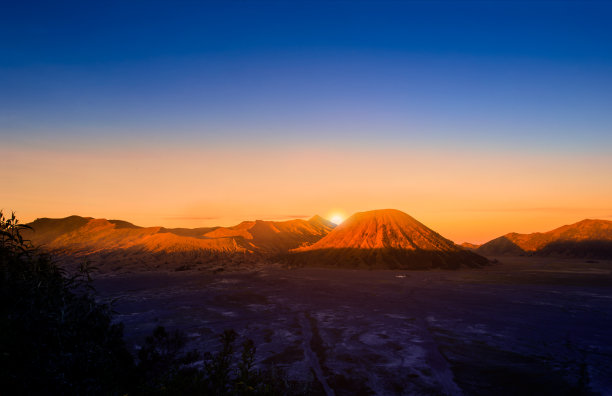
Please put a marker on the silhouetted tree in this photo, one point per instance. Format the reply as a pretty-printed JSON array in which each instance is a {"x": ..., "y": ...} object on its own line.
[
  {"x": 164, "y": 368},
  {"x": 54, "y": 337}
]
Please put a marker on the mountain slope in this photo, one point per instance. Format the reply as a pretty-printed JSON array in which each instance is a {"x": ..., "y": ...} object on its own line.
[
  {"x": 469, "y": 246},
  {"x": 47, "y": 230},
  {"x": 587, "y": 238},
  {"x": 385, "y": 238},
  {"x": 501, "y": 246},
  {"x": 276, "y": 236}
]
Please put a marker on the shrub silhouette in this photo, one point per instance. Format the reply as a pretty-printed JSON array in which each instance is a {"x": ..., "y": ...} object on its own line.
[
  {"x": 54, "y": 336},
  {"x": 165, "y": 368}
]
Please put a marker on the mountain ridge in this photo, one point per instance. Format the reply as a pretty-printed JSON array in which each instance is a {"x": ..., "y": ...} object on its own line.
[
  {"x": 118, "y": 243},
  {"x": 571, "y": 240}
]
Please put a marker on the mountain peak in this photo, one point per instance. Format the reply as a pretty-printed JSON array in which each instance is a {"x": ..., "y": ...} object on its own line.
[
  {"x": 386, "y": 238},
  {"x": 385, "y": 228}
]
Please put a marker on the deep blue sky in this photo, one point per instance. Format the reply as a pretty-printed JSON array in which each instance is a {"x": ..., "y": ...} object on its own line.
[
  {"x": 477, "y": 118},
  {"x": 486, "y": 73}
]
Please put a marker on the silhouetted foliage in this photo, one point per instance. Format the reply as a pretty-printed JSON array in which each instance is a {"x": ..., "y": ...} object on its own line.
[
  {"x": 54, "y": 336},
  {"x": 165, "y": 368}
]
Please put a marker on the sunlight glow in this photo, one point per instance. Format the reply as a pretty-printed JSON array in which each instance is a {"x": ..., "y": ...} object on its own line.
[{"x": 336, "y": 219}]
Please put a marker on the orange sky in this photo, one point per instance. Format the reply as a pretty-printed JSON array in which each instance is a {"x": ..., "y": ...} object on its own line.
[{"x": 466, "y": 195}]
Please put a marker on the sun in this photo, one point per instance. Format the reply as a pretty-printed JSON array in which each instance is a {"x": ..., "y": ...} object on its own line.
[{"x": 336, "y": 219}]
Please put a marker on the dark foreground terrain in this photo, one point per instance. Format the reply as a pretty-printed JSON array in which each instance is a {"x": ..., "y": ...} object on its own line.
[{"x": 524, "y": 326}]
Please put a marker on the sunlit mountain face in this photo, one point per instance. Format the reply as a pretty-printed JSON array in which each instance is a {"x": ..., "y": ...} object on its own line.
[{"x": 116, "y": 244}]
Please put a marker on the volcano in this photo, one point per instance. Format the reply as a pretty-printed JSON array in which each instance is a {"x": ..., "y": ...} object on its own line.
[{"x": 384, "y": 239}]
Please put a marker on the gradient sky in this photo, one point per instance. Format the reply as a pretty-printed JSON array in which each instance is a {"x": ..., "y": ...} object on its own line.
[{"x": 477, "y": 118}]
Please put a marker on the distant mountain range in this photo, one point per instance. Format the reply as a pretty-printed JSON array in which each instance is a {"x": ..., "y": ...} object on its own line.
[
  {"x": 119, "y": 245},
  {"x": 585, "y": 239},
  {"x": 374, "y": 239}
]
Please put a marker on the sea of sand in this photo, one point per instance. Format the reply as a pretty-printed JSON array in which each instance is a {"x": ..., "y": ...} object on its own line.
[{"x": 524, "y": 325}]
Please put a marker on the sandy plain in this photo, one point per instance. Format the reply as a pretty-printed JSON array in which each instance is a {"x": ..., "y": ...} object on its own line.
[{"x": 524, "y": 325}]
